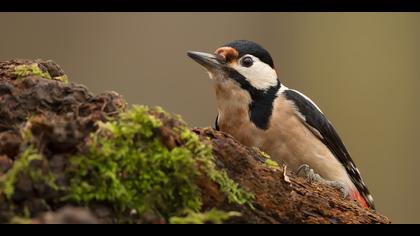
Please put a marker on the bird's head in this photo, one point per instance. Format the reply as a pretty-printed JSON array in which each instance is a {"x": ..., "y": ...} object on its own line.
[{"x": 244, "y": 62}]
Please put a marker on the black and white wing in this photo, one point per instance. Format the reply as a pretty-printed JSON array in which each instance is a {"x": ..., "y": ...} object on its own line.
[
  {"x": 216, "y": 123},
  {"x": 316, "y": 121}
]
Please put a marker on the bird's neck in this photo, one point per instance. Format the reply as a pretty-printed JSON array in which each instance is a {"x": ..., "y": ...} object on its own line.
[
  {"x": 231, "y": 98},
  {"x": 261, "y": 107},
  {"x": 243, "y": 105}
]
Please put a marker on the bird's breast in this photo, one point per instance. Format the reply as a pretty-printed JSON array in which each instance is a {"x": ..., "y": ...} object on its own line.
[{"x": 233, "y": 118}]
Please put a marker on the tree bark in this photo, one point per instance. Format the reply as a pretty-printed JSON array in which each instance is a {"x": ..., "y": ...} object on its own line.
[{"x": 280, "y": 196}]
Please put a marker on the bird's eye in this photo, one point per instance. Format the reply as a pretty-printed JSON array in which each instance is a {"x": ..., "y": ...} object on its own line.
[{"x": 247, "y": 62}]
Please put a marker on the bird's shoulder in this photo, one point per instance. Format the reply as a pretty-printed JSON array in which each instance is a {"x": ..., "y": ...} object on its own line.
[
  {"x": 312, "y": 117},
  {"x": 302, "y": 102}
]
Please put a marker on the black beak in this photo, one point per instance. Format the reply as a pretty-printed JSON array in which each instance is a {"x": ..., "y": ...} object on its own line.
[{"x": 209, "y": 61}]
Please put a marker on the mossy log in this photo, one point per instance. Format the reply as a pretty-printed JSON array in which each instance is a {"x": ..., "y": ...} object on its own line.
[{"x": 68, "y": 156}]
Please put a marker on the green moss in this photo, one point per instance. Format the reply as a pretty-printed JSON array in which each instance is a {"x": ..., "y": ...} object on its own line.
[
  {"x": 212, "y": 216},
  {"x": 7, "y": 182},
  {"x": 37, "y": 175},
  {"x": 267, "y": 159},
  {"x": 204, "y": 156},
  {"x": 271, "y": 163},
  {"x": 20, "y": 220},
  {"x": 159, "y": 109},
  {"x": 22, "y": 166},
  {"x": 23, "y": 71},
  {"x": 176, "y": 117},
  {"x": 261, "y": 153},
  {"x": 62, "y": 78},
  {"x": 128, "y": 167}
]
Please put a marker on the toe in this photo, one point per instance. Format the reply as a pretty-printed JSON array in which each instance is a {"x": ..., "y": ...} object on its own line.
[{"x": 303, "y": 170}]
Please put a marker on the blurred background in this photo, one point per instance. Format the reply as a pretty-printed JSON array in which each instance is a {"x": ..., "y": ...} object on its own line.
[{"x": 362, "y": 69}]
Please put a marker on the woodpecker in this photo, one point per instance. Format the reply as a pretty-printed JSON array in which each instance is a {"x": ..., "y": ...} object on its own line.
[{"x": 258, "y": 110}]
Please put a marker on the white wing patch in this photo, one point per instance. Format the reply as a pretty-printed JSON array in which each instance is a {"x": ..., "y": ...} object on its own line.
[{"x": 282, "y": 89}]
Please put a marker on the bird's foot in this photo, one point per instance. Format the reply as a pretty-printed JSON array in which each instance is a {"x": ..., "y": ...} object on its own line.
[{"x": 308, "y": 173}]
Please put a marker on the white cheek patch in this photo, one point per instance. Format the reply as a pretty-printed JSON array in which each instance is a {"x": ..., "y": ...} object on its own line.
[{"x": 259, "y": 75}]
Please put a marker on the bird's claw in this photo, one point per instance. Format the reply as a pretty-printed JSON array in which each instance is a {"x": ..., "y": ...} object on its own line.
[{"x": 308, "y": 173}]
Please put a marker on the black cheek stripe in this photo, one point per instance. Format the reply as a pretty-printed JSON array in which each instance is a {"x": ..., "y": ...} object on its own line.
[{"x": 261, "y": 107}]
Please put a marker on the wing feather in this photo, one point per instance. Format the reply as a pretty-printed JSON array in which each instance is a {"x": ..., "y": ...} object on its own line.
[{"x": 322, "y": 128}]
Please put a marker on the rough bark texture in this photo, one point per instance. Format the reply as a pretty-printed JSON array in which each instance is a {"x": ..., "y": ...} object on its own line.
[
  {"x": 64, "y": 114},
  {"x": 280, "y": 197}
]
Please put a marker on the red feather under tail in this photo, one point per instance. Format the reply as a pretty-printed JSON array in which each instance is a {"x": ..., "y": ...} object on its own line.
[{"x": 356, "y": 196}]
